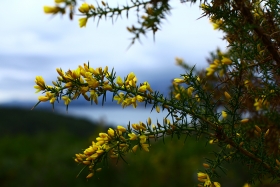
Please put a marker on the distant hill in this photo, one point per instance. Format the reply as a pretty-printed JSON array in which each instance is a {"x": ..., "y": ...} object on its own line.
[{"x": 17, "y": 121}]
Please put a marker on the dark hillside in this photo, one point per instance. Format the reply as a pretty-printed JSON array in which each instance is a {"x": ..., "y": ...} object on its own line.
[{"x": 17, "y": 121}]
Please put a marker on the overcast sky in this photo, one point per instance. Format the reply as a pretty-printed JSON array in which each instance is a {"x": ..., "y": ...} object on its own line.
[{"x": 33, "y": 43}]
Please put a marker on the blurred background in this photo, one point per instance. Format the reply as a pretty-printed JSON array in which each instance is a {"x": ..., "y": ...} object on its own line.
[{"x": 37, "y": 147}]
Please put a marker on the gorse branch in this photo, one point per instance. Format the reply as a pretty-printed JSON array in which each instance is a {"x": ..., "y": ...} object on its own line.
[{"x": 234, "y": 103}]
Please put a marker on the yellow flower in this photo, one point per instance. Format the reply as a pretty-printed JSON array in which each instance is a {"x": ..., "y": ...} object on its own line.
[
  {"x": 111, "y": 132},
  {"x": 266, "y": 133},
  {"x": 247, "y": 185},
  {"x": 216, "y": 184},
  {"x": 244, "y": 120},
  {"x": 60, "y": 72},
  {"x": 197, "y": 97},
  {"x": 43, "y": 98},
  {"x": 52, "y": 100},
  {"x": 142, "y": 88},
  {"x": 157, "y": 109},
  {"x": 121, "y": 128},
  {"x": 209, "y": 71},
  {"x": 68, "y": 84},
  {"x": 203, "y": 6},
  {"x": 226, "y": 61},
  {"x": 179, "y": 61},
  {"x": 227, "y": 95},
  {"x": 143, "y": 138},
  {"x": 216, "y": 23},
  {"x": 89, "y": 175},
  {"x": 145, "y": 147},
  {"x": 51, "y": 10},
  {"x": 83, "y": 22},
  {"x": 76, "y": 73},
  {"x": 119, "y": 97},
  {"x": 40, "y": 81},
  {"x": 94, "y": 96},
  {"x": 178, "y": 96},
  {"x": 260, "y": 103},
  {"x": 213, "y": 141},
  {"x": 132, "y": 136},
  {"x": 203, "y": 177},
  {"x": 98, "y": 169},
  {"x": 130, "y": 101},
  {"x": 130, "y": 76},
  {"x": 178, "y": 80},
  {"x": 119, "y": 81},
  {"x": 134, "y": 148},
  {"x": 107, "y": 87},
  {"x": 59, "y": 1},
  {"x": 224, "y": 114},
  {"x": 148, "y": 86},
  {"x": 66, "y": 99},
  {"x": 206, "y": 165},
  {"x": 190, "y": 90},
  {"x": 48, "y": 96},
  {"x": 84, "y": 8},
  {"x": 92, "y": 7},
  {"x": 139, "y": 98},
  {"x": 136, "y": 126},
  {"x": 149, "y": 121},
  {"x": 38, "y": 88},
  {"x": 258, "y": 129}
]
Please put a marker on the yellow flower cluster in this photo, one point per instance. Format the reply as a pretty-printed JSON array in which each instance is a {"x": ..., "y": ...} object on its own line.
[
  {"x": 261, "y": 103},
  {"x": 205, "y": 179},
  {"x": 85, "y": 9},
  {"x": 217, "y": 64},
  {"x": 180, "y": 91},
  {"x": 114, "y": 143},
  {"x": 120, "y": 141},
  {"x": 217, "y": 23},
  {"x": 92, "y": 83}
]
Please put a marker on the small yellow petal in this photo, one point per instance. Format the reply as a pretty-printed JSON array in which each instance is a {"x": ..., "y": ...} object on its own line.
[
  {"x": 66, "y": 99},
  {"x": 178, "y": 80},
  {"x": 134, "y": 148},
  {"x": 51, "y": 10},
  {"x": 224, "y": 114},
  {"x": 119, "y": 81},
  {"x": 133, "y": 136},
  {"x": 145, "y": 147},
  {"x": 84, "y": 8},
  {"x": 83, "y": 22},
  {"x": 89, "y": 175},
  {"x": 226, "y": 61},
  {"x": 216, "y": 184},
  {"x": 121, "y": 128},
  {"x": 227, "y": 95},
  {"x": 59, "y": 1},
  {"x": 257, "y": 128},
  {"x": 157, "y": 109},
  {"x": 244, "y": 120},
  {"x": 43, "y": 98}
]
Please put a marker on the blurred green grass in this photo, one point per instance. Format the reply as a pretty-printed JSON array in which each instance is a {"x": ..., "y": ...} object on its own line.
[{"x": 37, "y": 149}]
